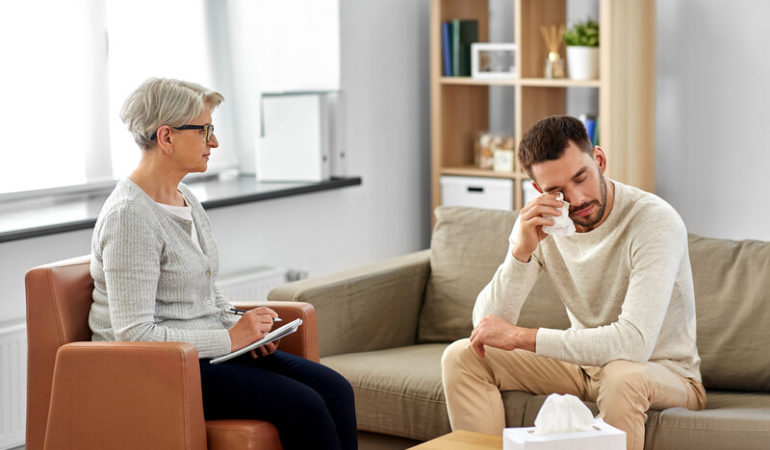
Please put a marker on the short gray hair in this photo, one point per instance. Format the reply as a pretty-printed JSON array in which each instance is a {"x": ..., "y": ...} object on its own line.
[{"x": 164, "y": 101}]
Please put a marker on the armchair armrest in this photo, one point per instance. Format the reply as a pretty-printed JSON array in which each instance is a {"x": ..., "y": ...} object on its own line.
[
  {"x": 369, "y": 308},
  {"x": 126, "y": 395},
  {"x": 303, "y": 342}
]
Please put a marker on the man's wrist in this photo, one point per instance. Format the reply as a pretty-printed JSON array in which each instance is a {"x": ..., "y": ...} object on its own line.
[
  {"x": 532, "y": 341},
  {"x": 527, "y": 339},
  {"x": 522, "y": 257}
]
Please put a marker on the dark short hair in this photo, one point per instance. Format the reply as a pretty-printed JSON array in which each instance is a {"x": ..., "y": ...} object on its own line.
[{"x": 549, "y": 138}]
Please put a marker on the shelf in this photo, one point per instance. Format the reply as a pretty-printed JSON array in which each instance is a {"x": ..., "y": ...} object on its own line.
[
  {"x": 544, "y": 82},
  {"x": 461, "y": 107},
  {"x": 473, "y": 171},
  {"x": 537, "y": 82},
  {"x": 468, "y": 81}
]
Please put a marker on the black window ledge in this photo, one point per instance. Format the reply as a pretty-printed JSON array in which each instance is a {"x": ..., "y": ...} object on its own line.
[{"x": 23, "y": 219}]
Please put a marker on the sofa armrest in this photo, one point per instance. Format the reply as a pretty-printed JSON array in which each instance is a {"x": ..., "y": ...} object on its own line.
[
  {"x": 126, "y": 395},
  {"x": 303, "y": 342},
  {"x": 368, "y": 308}
]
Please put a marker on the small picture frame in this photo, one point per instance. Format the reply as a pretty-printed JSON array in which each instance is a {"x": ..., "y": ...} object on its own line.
[{"x": 493, "y": 60}]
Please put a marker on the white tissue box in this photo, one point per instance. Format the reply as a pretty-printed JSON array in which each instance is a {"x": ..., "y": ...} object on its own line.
[{"x": 602, "y": 437}]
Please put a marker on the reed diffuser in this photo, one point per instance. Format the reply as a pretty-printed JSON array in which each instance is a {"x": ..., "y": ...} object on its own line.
[{"x": 554, "y": 64}]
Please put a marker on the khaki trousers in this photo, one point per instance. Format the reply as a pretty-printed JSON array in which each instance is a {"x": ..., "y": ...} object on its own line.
[{"x": 623, "y": 390}]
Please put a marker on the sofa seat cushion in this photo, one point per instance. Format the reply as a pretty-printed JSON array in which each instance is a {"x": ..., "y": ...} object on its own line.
[
  {"x": 398, "y": 391},
  {"x": 734, "y": 420}
]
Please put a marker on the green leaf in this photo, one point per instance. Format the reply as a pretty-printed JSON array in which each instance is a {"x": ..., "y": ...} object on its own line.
[{"x": 583, "y": 34}]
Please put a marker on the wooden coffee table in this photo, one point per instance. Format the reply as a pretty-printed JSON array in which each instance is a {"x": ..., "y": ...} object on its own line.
[{"x": 463, "y": 440}]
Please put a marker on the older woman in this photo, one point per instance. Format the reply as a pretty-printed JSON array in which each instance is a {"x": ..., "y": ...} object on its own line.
[{"x": 155, "y": 263}]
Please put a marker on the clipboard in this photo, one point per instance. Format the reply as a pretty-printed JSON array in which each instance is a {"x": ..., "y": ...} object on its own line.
[{"x": 276, "y": 334}]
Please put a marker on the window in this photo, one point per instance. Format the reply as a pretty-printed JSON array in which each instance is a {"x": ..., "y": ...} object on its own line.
[
  {"x": 47, "y": 93},
  {"x": 144, "y": 45},
  {"x": 71, "y": 68}
]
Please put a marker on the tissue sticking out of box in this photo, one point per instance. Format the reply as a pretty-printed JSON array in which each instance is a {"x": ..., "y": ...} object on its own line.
[
  {"x": 562, "y": 224},
  {"x": 563, "y": 414}
]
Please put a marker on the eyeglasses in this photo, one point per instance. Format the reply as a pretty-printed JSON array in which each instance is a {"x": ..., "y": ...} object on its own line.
[{"x": 209, "y": 130}]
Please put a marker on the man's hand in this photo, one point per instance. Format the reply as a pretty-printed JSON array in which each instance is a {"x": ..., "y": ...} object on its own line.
[
  {"x": 496, "y": 332},
  {"x": 531, "y": 222},
  {"x": 252, "y": 326}
]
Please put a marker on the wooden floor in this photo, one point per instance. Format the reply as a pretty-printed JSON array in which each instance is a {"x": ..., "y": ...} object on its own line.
[
  {"x": 463, "y": 440},
  {"x": 375, "y": 441}
]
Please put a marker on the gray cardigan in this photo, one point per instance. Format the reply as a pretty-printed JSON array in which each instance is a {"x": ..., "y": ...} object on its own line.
[{"x": 151, "y": 283}]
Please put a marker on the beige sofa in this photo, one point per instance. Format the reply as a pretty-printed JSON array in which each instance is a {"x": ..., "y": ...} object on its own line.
[{"x": 384, "y": 327}]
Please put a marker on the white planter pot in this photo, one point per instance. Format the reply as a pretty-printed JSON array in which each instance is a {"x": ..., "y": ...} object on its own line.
[{"x": 583, "y": 63}]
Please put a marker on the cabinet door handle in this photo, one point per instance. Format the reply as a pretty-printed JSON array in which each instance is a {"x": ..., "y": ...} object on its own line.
[{"x": 475, "y": 189}]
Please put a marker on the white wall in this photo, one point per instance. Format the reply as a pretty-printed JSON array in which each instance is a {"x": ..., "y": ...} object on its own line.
[
  {"x": 713, "y": 156},
  {"x": 18, "y": 256},
  {"x": 385, "y": 84},
  {"x": 385, "y": 80}
]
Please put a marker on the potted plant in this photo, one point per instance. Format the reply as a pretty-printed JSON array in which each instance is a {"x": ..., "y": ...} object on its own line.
[{"x": 582, "y": 41}]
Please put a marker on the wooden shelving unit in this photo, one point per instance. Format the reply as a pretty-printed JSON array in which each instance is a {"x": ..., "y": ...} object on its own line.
[{"x": 626, "y": 85}]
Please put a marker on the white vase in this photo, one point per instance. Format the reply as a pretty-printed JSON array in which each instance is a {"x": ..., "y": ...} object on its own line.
[{"x": 583, "y": 63}]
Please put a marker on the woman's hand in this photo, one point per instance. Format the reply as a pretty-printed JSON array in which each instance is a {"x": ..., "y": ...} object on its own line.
[
  {"x": 251, "y": 327},
  {"x": 266, "y": 349}
]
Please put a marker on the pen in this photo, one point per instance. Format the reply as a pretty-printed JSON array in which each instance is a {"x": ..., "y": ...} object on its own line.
[{"x": 240, "y": 312}]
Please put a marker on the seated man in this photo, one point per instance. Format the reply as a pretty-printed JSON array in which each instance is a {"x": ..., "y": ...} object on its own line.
[{"x": 624, "y": 278}]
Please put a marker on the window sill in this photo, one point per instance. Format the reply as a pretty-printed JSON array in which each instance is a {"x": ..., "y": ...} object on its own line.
[{"x": 61, "y": 213}]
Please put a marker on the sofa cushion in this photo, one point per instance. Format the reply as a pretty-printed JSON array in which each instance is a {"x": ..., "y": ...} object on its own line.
[
  {"x": 732, "y": 294},
  {"x": 398, "y": 391},
  {"x": 467, "y": 246},
  {"x": 734, "y": 420}
]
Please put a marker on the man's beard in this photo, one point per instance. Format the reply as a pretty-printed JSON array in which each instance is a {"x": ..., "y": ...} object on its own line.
[{"x": 589, "y": 222}]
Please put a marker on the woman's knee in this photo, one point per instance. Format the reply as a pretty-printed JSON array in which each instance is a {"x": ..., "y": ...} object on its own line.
[
  {"x": 331, "y": 384},
  {"x": 342, "y": 390}
]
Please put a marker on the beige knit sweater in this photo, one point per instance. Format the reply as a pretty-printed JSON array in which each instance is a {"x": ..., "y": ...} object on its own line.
[
  {"x": 151, "y": 283},
  {"x": 627, "y": 287}
]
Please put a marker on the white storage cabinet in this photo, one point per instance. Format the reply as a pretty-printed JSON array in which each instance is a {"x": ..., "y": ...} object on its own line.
[{"x": 477, "y": 192}]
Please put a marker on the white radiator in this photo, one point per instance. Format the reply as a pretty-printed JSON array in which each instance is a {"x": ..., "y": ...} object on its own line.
[
  {"x": 252, "y": 286},
  {"x": 13, "y": 384}
]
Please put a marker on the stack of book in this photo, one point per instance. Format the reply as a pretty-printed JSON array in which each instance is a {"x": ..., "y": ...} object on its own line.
[
  {"x": 592, "y": 127},
  {"x": 456, "y": 39}
]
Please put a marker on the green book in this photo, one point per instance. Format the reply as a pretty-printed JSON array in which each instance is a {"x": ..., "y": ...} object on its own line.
[{"x": 464, "y": 33}]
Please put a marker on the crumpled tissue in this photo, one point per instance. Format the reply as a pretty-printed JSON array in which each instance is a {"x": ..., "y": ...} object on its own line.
[
  {"x": 563, "y": 414},
  {"x": 562, "y": 225}
]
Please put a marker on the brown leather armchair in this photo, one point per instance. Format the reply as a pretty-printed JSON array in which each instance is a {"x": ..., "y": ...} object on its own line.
[{"x": 124, "y": 395}]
